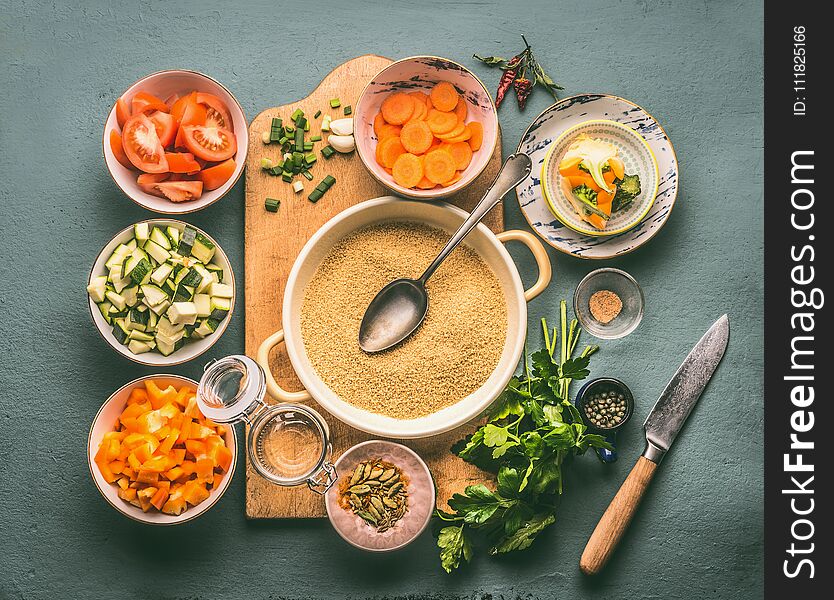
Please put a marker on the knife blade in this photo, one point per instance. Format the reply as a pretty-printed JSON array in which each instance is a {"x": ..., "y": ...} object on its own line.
[
  {"x": 682, "y": 392},
  {"x": 662, "y": 426}
]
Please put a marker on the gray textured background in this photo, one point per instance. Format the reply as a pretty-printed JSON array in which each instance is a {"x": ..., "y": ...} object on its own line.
[{"x": 694, "y": 65}]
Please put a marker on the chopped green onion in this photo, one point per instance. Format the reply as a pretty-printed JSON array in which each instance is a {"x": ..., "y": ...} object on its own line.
[
  {"x": 317, "y": 115},
  {"x": 277, "y": 123},
  {"x": 287, "y": 176},
  {"x": 298, "y": 113},
  {"x": 335, "y": 103},
  {"x": 265, "y": 137},
  {"x": 297, "y": 186},
  {"x": 283, "y": 140},
  {"x": 307, "y": 175},
  {"x": 267, "y": 163},
  {"x": 308, "y": 146},
  {"x": 348, "y": 110},
  {"x": 315, "y": 196},
  {"x": 329, "y": 180},
  {"x": 271, "y": 204},
  {"x": 301, "y": 122},
  {"x": 276, "y": 170},
  {"x": 307, "y": 126},
  {"x": 310, "y": 158},
  {"x": 289, "y": 129},
  {"x": 315, "y": 138},
  {"x": 328, "y": 151},
  {"x": 299, "y": 140}
]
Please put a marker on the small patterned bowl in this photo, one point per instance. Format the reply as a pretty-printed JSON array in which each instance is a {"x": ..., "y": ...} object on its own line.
[
  {"x": 421, "y": 73},
  {"x": 637, "y": 157},
  {"x": 421, "y": 498}
]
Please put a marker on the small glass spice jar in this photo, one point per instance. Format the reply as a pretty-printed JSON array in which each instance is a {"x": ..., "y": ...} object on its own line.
[
  {"x": 288, "y": 444},
  {"x": 605, "y": 404}
]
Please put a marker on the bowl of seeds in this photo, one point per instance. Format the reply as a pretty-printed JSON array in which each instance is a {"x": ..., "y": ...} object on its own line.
[
  {"x": 384, "y": 498},
  {"x": 605, "y": 403}
]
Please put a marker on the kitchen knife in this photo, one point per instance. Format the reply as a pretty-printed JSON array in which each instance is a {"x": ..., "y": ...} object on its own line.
[{"x": 662, "y": 427}]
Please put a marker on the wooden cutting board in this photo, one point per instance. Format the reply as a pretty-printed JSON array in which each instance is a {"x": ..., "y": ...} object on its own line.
[{"x": 272, "y": 242}]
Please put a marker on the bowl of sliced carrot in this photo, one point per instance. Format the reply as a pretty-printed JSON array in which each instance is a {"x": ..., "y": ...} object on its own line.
[
  {"x": 154, "y": 457},
  {"x": 175, "y": 141},
  {"x": 425, "y": 127}
]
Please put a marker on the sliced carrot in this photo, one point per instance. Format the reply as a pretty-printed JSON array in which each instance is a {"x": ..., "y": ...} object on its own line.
[
  {"x": 617, "y": 166},
  {"x": 389, "y": 131},
  {"x": 477, "y": 137},
  {"x": 444, "y": 96},
  {"x": 455, "y": 132},
  {"x": 425, "y": 184},
  {"x": 467, "y": 133},
  {"x": 416, "y": 137},
  {"x": 462, "y": 154},
  {"x": 379, "y": 121},
  {"x": 441, "y": 122},
  {"x": 420, "y": 112},
  {"x": 453, "y": 180},
  {"x": 422, "y": 97},
  {"x": 389, "y": 171},
  {"x": 407, "y": 170},
  {"x": 397, "y": 108},
  {"x": 388, "y": 151},
  {"x": 461, "y": 110},
  {"x": 609, "y": 177},
  {"x": 439, "y": 166},
  {"x": 118, "y": 150},
  {"x": 435, "y": 145}
]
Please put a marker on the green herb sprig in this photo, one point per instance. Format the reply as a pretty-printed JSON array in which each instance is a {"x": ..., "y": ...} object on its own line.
[{"x": 530, "y": 432}]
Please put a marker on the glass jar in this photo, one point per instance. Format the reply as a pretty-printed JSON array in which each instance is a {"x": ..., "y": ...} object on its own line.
[{"x": 288, "y": 444}]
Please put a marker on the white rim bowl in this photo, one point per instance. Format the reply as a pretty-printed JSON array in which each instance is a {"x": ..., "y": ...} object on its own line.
[
  {"x": 104, "y": 422},
  {"x": 164, "y": 84},
  {"x": 191, "y": 349}
]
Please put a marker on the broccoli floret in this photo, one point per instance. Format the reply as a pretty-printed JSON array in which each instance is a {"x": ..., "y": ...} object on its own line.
[
  {"x": 585, "y": 194},
  {"x": 627, "y": 190}
]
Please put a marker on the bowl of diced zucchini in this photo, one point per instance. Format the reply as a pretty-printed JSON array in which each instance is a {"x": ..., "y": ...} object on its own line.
[{"x": 161, "y": 292}]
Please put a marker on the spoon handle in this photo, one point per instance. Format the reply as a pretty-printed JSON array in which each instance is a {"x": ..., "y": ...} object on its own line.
[{"x": 515, "y": 170}]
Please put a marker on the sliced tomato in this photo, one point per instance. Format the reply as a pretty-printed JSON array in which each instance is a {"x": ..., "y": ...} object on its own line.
[
  {"x": 122, "y": 112},
  {"x": 148, "y": 181},
  {"x": 166, "y": 127},
  {"x": 142, "y": 146},
  {"x": 179, "y": 191},
  {"x": 171, "y": 100},
  {"x": 144, "y": 102},
  {"x": 118, "y": 151},
  {"x": 216, "y": 176},
  {"x": 217, "y": 113},
  {"x": 209, "y": 143},
  {"x": 182, "y": 163},
  {"x": 178, "y": 108},
  {"x": 195, "y": 114}
]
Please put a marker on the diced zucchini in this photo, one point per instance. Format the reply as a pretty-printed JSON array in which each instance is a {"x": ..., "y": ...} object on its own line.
[
  {"x": 140, "y": 317},
  {"x": 97, "y": 288},
  {"x": 160, "y": 309},
  {"x": 184, "y": 293},
  {"x": 154, "y": 295},
  {"x": 220, "y": 307},
  {"x": 117, "y": 258},
  {"x": 116, "y": 300},
  {"x": 206, "y": 327},
  {"x": 159, "y": 253},
  {"x": 161, "y": 273},
  {"x": 153, "y": 319},
  {"x": 192, "y": 278},
  {"x": 139, "y": 347},
  {"x": 120, "y": 331},
  {"x": 131, "y": 295},
  {"x": 187, "y": 238},
  {"x": 131, "y": 245},
  {"x": 203, "y": 304},
  {"x": 158, "y": 237},
  {"x": 167, "y": 329},
  {"x": 182, "y": 312},
  {"x": 164, "y": 348},
  {"x": 132, "y": 260},
  {"x": 104, "y": 309},
  {"x": 202, "y": 249},
  {"x": 136, "y": 334},
  {"x": 221, "y": 289},
  {"x": 218, "y": 271},
  {"x": 141, "y": 231},
  {"x": 174, "y": 235},
  {"x": 205, "y": 278}
]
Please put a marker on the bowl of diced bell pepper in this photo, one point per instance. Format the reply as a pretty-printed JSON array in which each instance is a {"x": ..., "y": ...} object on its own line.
[{"x": 154, "y": 457}]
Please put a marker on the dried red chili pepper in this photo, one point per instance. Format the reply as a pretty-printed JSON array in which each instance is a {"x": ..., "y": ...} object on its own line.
[
  {"x": 523, "y": 87},
  {"x": 503, "y": 85}
]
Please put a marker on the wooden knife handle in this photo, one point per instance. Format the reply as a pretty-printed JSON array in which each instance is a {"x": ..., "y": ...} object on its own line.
[{"x": 616, "y": 518}]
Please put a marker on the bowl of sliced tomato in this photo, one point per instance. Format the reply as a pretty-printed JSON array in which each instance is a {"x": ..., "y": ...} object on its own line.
[{"x": 176, "y": 141}]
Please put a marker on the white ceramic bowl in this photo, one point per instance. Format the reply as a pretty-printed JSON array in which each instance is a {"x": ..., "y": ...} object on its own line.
[
  {"x": 163, "y": 84},
  {"x": 421, "y": 498},
  {"x": 638, "y": 159},
  {"x": 444, "y": 216},
  {"x": 190, "y": 350},
  {"x": 421, "y": 73},
  {"x": 104, "y": 422}
]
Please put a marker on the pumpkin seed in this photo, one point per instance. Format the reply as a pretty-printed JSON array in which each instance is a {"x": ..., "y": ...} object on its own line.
[{"x": 360, "y": 489}]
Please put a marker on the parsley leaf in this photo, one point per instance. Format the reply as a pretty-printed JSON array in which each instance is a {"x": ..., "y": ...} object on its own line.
[
  {"x": 453, "y": 545},
  {"x": 525, "y": 535}
]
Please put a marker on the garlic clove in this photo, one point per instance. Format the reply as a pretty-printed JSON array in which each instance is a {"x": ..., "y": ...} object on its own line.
[
  {"x": 342, "y": 126},
  {"x": 342, "y": 143}
]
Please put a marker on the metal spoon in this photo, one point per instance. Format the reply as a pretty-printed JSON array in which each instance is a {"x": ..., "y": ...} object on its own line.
[{"x": 399, "y": 308}]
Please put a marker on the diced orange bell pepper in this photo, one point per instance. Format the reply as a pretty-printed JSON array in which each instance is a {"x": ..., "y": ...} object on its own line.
[
  {"x": 116, "y": 466},
  {"x": 191, "y": 409},
  {"x": 205, "y": 470},
  {"x": 218, "y": 479},
  {"x": 128, "y": 494},
  {"x": 134, "y": 462},
  {"x": 177, "y": 455},
  {"x": 166, "y": 446},
  {"x": 156, "y": 464},
  {"x": 129, "y": 472},
  {"x": 188, "y": 466},
  {"x": 106, "y": 473},
  {"x": 221, "y": 431},
  {"x": 161, "y": 496},
  {"x": 137, "y": 395},
  {"x": 196, "y": 448},
  {"x": 143, "y": 452},
  {"x": 182, "y": 397},
  {"x": 150, "y": 422},
  {"x": 123, "y": 482},
  {"x": 223, "y": 458},
  {"x": 144, "y": 496},
  {"x": 133, "y": 440},
  {"x": 200, "y": 432},
  {"x": 169, "y": 411},
  {"x": 174, "y": 506},
  {"x": 161, "y": 433},
  {"x": 185, "y": 430},
  {"x": 175, "y": 473},
  {"x": 194, "y": 492},
  {"x": 129, "y": 425},
  {"x": 132, "y": 411},
  {"x": 145, "y": 476}
]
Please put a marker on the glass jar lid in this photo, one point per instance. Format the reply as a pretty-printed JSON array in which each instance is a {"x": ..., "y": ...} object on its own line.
[{"x": 288, "y": 444}]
